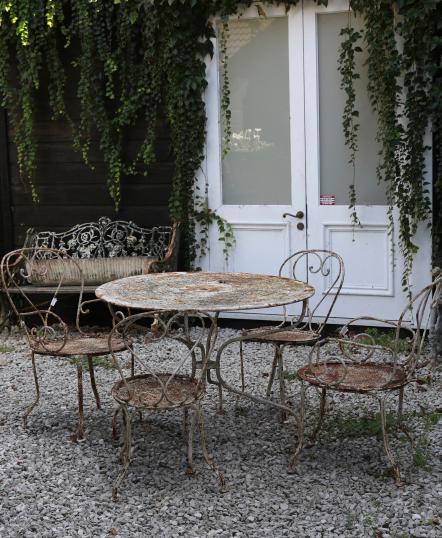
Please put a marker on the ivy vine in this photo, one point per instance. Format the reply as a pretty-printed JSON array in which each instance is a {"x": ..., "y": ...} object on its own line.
[
  {"x": 136, "y": 58},
  {"x": 347, "y": 69},
  {"x": 404, "y": 50}
]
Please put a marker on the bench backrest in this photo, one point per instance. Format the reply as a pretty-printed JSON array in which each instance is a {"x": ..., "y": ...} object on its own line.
[{"x": 106, "y": 239}]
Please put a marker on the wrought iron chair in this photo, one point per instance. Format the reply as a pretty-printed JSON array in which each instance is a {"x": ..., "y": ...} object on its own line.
[
  {"x": 359, "y": 366},
  {"x": 299, "y": 331},
  {"x": 165, "y": 383},
  {"x": 46, "y": 332}
]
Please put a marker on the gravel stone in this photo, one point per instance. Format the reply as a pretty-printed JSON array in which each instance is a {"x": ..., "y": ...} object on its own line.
[{"x": 50, "y": 487}]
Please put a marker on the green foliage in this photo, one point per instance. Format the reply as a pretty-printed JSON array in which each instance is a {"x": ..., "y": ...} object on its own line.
[
  {"x": 6, "y": 349},
  {"x": 205, "y": 216},
  {"x": 385, "y": 338},
  {"x": 102, "y": 361},
  {"x": 226, "y": 113},
  {"x": 347, "y": 69},
  {"x": 133, "y": 58},
  {"x": 404, "y": 51}
]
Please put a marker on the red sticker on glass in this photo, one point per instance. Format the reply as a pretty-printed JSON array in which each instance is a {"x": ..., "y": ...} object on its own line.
[{"x": 327, "y": 199}]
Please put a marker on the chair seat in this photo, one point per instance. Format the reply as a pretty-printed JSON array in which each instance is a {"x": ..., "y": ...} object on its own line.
[
  {"x": 160, "y": 392},
  {"x": 78, "y": 345},
  {"x": 292, "y": 336},
  {"x": 361, "y": 377}
]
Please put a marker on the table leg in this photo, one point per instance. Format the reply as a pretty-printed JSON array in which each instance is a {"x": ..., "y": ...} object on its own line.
[{"x": 223, "y": 384}]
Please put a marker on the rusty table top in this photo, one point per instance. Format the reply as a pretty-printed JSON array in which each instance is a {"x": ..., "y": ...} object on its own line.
[{"x": 200, "y": 291}]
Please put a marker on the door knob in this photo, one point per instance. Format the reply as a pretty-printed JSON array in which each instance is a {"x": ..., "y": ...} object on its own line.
[
  {"x": 298, "y": 215},
  {"x": 300, "y": 225}
]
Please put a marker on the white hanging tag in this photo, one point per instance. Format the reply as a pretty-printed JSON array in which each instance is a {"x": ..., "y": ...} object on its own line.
[{"x": 54, "y": 301}]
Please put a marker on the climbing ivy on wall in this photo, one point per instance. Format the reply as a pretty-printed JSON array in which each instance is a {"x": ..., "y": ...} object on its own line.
[{"x": 133, "y": 58}]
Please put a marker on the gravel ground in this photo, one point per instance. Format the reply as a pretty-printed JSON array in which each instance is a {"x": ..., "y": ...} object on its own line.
[{"x": 50, "y": 487}]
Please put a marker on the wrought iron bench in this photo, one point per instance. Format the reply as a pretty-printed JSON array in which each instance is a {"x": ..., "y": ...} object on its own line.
[{"x": 105, "y": 250}]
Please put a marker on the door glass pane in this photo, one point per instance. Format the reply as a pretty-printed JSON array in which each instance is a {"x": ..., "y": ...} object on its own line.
[
  {"x": 257, "y": 168},
  {"x": 336, "y": 173}
]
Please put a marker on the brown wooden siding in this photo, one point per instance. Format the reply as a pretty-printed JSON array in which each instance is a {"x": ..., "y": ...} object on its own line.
[{"x": 71, "y": 192}]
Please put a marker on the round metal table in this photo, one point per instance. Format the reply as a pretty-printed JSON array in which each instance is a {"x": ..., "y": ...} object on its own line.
[{"x": 205, "y": 293}]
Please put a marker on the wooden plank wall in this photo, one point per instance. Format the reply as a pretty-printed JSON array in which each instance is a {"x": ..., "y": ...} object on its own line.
[{"x": 69, "y": 191}]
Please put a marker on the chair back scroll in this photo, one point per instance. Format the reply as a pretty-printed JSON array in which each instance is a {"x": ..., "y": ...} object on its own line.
[
  {"x": 18, "y": 270},
  {"x": 327, "y": 264},
  {"x": 170, "y": 353},
  {"x": 423, "y": 309},
  {"x": 415, "y": 328}
]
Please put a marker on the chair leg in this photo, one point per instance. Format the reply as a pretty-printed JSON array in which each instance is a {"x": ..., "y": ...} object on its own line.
[
  {"x": 114, "y": 424},
  {"x": 400, "y": 406},
  {"x": 243, "y": 384},
  {"x": 93, "y": 384},
  {"x": 282, "y": 393},
  {"x": 185, "y": 421},
  {"x": 317, "y": 429},
  {"x": 387, "y": 448},
  {"x": 207, "y": 458},
  {"x": 301, "y": 418},
  {"x": 241, "y": 364},
  {"x": 190, "y": 431},
  {"x": 79, "y": 435},
  {"x": 125, "y": 455},
  {"x": 132, "y": 363},
  {"x": 402, "y": 427},
  {"x": 272, "y": 373},
  {"x": 220, "y": 400},
  {"x": 37, "y": 392}
]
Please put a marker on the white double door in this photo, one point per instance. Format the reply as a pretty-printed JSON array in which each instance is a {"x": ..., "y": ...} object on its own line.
[{"x": 288, "y": 157}]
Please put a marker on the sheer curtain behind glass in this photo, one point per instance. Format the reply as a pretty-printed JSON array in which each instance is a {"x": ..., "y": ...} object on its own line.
[
  {"x": 257, "y": 168},
  {"x": 336, "y": 172}
]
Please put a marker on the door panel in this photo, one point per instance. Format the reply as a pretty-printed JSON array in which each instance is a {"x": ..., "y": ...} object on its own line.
[
  {"x": 372, "y": 260},
  {"x": 263, "y": 175}
]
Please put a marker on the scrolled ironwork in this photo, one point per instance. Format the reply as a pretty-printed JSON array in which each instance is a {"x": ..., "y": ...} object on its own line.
[
  {"x": 105, "y": 239},
  {"x": 316, "y": 261},
  {"x": 162, "y": 327}
]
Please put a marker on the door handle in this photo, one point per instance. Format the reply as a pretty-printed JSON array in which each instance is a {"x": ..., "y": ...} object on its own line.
[{"x": 298, "y": 215}]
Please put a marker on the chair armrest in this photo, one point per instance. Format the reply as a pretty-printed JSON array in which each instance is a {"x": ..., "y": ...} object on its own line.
[
  {"x": 383, "y": 323},
  {"x": 42, "y": 335},
  {"x": 344, "y": 329},
  {"x": 84, "y": 311},
  {"x": 173, "y": 243}
]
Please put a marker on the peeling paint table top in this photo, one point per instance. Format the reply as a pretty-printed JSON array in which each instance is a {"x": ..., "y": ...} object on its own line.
[{"x": 203, "y": 291}]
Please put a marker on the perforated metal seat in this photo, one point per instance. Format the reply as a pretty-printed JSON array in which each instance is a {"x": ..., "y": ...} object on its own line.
[
  {"x": 353, "y": 377},
  {"x": 77, "y": 345},
  {"x": 158, "y": 392},
  {"x": 293, "y": 336}
]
